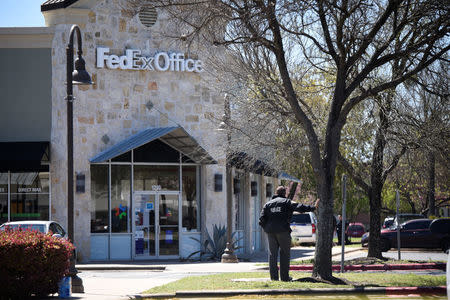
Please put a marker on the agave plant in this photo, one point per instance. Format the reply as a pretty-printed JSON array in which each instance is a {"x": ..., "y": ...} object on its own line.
[{"x": 213, "y": 247}]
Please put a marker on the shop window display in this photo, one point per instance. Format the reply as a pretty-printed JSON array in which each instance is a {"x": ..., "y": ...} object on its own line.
[
  {"x": 99, "y": 194},
  {"x": 120, "y": 197},
  {"x": 189, "y": 198},
  {"x": 29, "y": 196}
]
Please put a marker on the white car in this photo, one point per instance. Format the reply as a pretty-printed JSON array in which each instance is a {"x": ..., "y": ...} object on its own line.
[
  {"x": 303, "y": 227},
  {"x": 42, "y": 226}
]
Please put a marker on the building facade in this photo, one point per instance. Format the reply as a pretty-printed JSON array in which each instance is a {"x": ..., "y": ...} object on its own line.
[{"x": 149, "y": 161}]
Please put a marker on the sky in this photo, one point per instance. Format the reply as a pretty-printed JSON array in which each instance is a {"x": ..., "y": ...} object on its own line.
[{"x": 21, "y": 13}]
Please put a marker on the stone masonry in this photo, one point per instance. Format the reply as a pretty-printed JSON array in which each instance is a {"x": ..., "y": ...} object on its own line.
[{"x": 123, "y": 102}]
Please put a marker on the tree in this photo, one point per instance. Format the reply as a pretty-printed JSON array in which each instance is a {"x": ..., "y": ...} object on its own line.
[
  {"x": 353, "y": 41},
  {"x": 423, "y": 176}
]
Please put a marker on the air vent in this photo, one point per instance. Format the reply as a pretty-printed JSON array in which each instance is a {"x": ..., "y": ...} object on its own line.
[{"x": 148, "y": 16}]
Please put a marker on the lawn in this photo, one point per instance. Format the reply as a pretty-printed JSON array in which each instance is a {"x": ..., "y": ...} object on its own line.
[{"x": 301, "y": 281}]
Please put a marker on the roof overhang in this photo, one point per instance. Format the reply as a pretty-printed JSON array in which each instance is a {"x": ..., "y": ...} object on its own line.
[
  {"x": 24, "y": 156},
  {"x": 176, "y": 137}
]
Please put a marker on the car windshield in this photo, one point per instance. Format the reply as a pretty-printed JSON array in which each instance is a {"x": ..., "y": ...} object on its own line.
[
  {"x": 355, "y": 227},
  {"x": 404, "y": 218},
  {"x": 32, "y": 227},
  {"x": 301, "y": 218}
]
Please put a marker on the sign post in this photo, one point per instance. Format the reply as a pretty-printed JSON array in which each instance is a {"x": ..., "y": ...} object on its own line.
[
  {"x": 397, "y": 198},
  {"x": 344, "y": 217}
]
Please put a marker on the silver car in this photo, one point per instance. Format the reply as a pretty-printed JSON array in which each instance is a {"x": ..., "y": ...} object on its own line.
[
  {"x": 303, "y": 226},
  {"x": 42, "y": 226}
]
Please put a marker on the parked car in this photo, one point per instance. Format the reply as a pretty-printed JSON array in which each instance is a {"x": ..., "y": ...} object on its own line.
[
  {"x": 413, "y": 234},
  {"x": 356, "y": 230},
  {"x": 304, "y": 227},
  {"x": 42, "y": 226},
  {"x": 403, "y": 217},
  {"x": 388, "y": 222}
]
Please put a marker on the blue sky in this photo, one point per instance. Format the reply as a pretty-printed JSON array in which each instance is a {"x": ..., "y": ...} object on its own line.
[{"x": 21, "y": 13}]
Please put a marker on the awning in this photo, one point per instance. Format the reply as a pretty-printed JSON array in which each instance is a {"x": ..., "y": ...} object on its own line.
[
  {"x": 176, "y": 137},
  {"x": 286, "y": 176},
  {"x": 24, "y": 156},
  {"x": 243, "y": 161}
]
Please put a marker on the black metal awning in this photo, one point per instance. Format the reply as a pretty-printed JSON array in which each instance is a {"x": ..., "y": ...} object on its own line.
[{"x": 24, "y": 156}]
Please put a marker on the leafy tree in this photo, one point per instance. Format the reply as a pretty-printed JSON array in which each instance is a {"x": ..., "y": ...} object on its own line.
[{"x": 265, "y": 41}]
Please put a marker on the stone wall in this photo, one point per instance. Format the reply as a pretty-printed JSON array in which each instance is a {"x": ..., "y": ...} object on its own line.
[{"x": 123, "y": 102}]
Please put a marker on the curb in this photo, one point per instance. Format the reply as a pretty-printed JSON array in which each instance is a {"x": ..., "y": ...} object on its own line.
[
  {"x": 438, "y": 290},
  {"x": 378, "y": 267},
  {"x": 119, "y": 267}
]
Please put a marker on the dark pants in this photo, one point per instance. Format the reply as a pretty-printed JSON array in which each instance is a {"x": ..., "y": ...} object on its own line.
[{"x": 279, "y": 241}]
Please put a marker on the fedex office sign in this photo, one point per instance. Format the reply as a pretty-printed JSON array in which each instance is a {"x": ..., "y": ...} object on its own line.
[{"x": 133, "y": 60}]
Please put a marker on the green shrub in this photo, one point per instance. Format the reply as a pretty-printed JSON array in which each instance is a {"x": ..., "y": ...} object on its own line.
[
  {"x": 31, "y": 263},
  {"x": 213, "y": 247}
]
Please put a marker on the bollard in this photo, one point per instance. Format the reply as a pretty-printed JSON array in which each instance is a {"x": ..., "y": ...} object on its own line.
[{"x": 65, "y": 287}]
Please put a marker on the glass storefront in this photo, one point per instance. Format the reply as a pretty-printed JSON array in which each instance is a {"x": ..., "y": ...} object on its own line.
[
  {"x": 148, "y": 224},
  {"x": 24, "y": 196}
]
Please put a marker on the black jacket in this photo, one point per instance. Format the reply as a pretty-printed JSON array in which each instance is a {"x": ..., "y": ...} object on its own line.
[{"x": 277, "y": 213}]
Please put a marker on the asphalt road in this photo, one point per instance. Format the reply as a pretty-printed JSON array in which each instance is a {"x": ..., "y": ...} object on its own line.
[{"x": 417, "y": 254}]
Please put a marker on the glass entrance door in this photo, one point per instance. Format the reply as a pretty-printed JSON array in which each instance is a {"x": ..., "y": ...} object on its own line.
[
  {"x": 144, "y": 225},
  {"x": 156, "y": 224}
]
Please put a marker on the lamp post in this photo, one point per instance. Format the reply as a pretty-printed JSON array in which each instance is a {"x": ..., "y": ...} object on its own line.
[
  {"x": 79, "y": 76},
  {"x": 228, "y": 256}
]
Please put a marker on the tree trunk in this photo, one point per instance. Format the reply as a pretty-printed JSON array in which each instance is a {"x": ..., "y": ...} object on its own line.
[
  {"x": 431, "y": 184},
  {"x": 376, "y": 186},
  {"x": 322, "y": 256}
]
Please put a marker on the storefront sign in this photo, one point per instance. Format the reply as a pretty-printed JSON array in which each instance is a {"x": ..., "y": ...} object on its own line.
[
  {"x": 29, "y": 190},
  {"x": 133, "y": 60}
]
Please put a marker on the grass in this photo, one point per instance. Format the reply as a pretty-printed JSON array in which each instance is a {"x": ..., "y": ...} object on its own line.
[{"x": 224, "y": 281}]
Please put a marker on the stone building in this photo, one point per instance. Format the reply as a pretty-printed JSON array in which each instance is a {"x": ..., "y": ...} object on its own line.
[{"x": 148, "y": 161}]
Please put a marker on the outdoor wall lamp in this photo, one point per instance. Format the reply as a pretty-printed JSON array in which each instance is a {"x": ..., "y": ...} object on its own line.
[{"x": 79, "y": 76}]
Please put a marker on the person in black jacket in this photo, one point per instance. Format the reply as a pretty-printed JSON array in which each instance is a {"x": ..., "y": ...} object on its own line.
[{"x": 275, "y": 219}]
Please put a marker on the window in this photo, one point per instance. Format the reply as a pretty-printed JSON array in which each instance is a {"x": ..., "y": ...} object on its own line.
[
  {"x": 99, "y": 195},
  {"x": 120, "y": 197},
  {"x": 3, "y": 197},
  {"x": 189, "y": 198},
  {"x": 29, "y": 196},
  {"x": 146, "y": 177},
  {"x": 301, "y": 219}
]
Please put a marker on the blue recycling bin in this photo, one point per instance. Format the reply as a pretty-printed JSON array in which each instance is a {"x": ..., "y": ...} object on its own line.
[{"x": 65, "y": 287}]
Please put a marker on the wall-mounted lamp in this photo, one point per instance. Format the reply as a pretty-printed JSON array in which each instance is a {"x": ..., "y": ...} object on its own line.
[
  {"x": 80, "y": 183},
  {"x": 217, "y": 182}
]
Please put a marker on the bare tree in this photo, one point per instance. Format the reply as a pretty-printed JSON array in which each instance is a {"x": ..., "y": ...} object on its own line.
[
  {"x": 354, "y": 42},
  {"x": 425, "y": 117}
]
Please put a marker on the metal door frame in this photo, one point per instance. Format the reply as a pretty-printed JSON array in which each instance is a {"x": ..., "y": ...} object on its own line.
[{"x": 157, "y": 195}]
